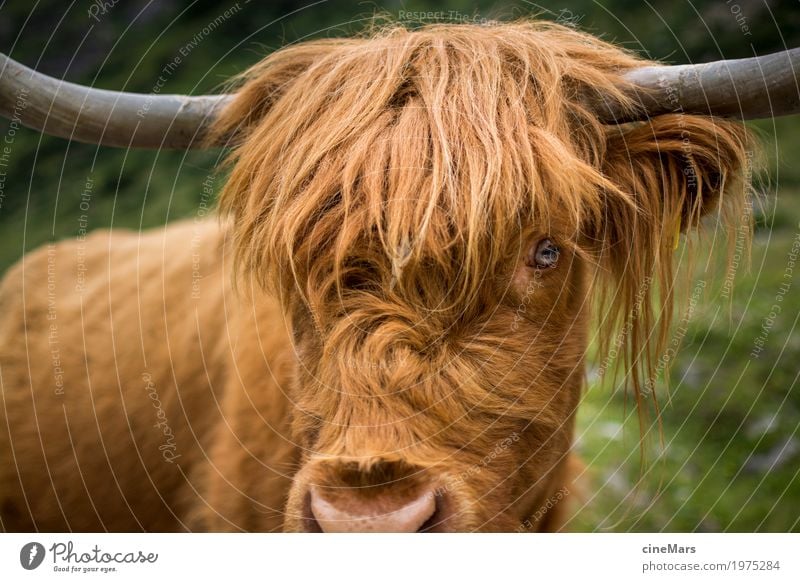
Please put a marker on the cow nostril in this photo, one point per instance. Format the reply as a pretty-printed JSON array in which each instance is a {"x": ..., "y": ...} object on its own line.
[{"x": 349, "y": 511}]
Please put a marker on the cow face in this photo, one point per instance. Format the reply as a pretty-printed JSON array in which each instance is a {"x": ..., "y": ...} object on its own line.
[{"x": 435, "y": 209}]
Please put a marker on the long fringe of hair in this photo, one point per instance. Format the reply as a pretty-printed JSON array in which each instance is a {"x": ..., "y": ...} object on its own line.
[{"x": 417, "y": 155}]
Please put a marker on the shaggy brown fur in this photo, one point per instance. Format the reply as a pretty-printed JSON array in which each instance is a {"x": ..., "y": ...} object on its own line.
[{"x": 386, "y": 331}]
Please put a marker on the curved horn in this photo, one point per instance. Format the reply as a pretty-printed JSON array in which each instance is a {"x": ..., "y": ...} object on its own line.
[
  {"x": 752, "y": 88},
  {"x": 103, "y": 117}
]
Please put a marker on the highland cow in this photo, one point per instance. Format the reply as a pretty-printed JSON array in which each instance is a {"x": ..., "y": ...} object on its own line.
[{"x": 385, "y": 326}]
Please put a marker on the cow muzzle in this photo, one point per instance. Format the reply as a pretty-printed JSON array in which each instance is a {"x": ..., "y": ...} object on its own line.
[{"x": 385, "y": 497}]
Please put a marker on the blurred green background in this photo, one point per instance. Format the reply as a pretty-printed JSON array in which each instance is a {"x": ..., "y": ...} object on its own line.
[{"x": 729, "y": 456}]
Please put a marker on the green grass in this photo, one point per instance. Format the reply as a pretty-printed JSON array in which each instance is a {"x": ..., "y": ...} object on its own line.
[{"x": 730, "y": 459}]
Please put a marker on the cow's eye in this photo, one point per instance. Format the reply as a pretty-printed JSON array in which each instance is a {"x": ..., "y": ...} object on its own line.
[{"x": 543, "y": 255}]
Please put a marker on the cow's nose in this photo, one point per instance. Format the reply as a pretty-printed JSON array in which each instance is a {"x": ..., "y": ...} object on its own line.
[{"x": 352, "y": 512}]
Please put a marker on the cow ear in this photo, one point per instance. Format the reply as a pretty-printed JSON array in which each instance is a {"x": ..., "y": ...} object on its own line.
[
  {"x": 672, "y": 171},
  {"x": 257, "y": 89},
  {"x": 667, "y": 173}
]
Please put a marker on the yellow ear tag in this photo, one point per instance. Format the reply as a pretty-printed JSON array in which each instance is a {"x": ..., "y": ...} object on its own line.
[{"x": 677, "y": 233}]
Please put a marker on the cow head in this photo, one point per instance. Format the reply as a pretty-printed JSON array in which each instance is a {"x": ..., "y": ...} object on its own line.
[{"x": 441, "y": 211}]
